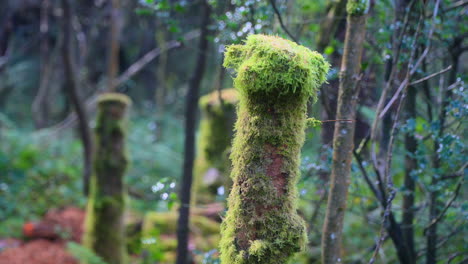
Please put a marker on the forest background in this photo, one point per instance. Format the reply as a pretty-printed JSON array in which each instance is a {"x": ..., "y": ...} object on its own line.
[{"x": 408, "y": 164}]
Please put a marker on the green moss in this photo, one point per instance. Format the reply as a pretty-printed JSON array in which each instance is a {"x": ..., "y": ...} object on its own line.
[
  {"x": 275, "y": 78},
  {"x": 357, "y": 7},
  {"x": 312, "y": 122},
  {"x": 166, "y": 223},
  {"x": 214, "y": 144},
  {"x": 114, "y": 98},
  {"x": 104, "y": 227},
  {"x": 276, "y": 65},
  {"x": 160, "y": 229}
]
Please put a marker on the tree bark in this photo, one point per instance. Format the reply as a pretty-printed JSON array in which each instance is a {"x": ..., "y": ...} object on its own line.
[
  {"x": 409, "y": 183},
  {"x": 189, "y": 144},
  {"x": 40, "y": 106},
  {"x": 343, "y": 140},
  {"x": 114, "y": 41},
  {"x": 71, "y": 84},
  {"x": 434, "y": 203}
]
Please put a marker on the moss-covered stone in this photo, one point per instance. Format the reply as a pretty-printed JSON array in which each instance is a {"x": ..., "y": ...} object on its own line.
[
  {"x": 357, "y": 7},
  {"x": 159, "y": 234},
  {"x": 104, "y": 226},
  {"x": 212, "y": 165},
  {"x": 276, "y": 78}
]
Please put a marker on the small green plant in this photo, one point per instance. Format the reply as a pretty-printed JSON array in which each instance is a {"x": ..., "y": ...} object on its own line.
[{"x": 83, "y": 254}]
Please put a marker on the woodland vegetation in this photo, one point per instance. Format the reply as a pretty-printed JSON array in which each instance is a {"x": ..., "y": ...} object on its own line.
[{"x": 233, "y": 132}]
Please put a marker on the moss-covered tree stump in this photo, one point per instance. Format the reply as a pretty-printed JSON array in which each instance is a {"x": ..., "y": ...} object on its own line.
[
  {"x": 212, "y": 165},
  {"x": 104, "y": 226},
  {"x": 275, "y": 78}
]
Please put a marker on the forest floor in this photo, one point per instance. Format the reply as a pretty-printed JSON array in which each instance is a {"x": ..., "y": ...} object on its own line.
[{"x": 45, "y": 241}]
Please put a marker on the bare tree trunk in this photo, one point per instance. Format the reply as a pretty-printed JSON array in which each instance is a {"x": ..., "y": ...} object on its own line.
[
  {"x": 409, "y": 183},
  {"x": 189, "y": 145},
  {"x": 343, "y": 141},
  {"x": 114, "y": 38},
  {"x": 329, "y": 25},
  {"x": 40, "y": 104},
  {"x": 161, "y": 77},
  {"x": 71, "y": 84},
  {"x": 434, "y": 203}
]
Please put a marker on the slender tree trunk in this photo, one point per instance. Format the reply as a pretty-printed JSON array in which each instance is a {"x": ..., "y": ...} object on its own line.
[
  {"x": 434, "y": 203},
  {"x": 189, "y": 145},
  {"x": 329, "y": 25},
  {"x": 40, "y": 104},
  {"x": 71, "y": 84},
  {"x": 114, "y": 41},
  {"x": 409, "y": 183},
  {"x": 343, "y": 141},
  {"x": 161, "y": 76}
]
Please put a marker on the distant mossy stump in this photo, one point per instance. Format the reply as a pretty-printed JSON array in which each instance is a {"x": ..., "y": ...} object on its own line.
[
  {"x": 104, "y": 226},
  {"x": 275, "y": 78},
  {"x": 212, "y": 165}
]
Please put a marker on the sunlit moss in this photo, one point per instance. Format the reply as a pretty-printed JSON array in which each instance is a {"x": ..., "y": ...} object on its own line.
[
  {"x": 357, "y": 7},
  {"x": 272, "y": 64},
  {"x": 276, "y": 78}
]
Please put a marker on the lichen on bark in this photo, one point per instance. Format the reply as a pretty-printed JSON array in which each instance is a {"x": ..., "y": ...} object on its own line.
[
  {"x": 104, "y": 227},
  {"x": 275, "y": 78},
  {"x": 212, "y": 165}
]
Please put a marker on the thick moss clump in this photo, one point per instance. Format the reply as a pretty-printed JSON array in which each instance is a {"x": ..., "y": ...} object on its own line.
[
  {"x": 357, "y": 7},
  {"x": 212, "y": 165},
  {"x": 275, "y": 78},
  {"x": 104, "y": 226}
]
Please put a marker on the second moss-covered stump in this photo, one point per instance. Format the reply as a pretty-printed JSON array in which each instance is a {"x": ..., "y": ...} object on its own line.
[
  {"x": 104, "y": 226},
  {"x": 275, "y": 78},
  {"x": 212, "y": 165}
]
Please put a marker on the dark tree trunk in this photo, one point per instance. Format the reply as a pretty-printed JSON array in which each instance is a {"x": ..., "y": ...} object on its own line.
[
  {"x": 189, "y": 145},
  {"x": 434, "y": 203},
  {"x": 40, "y": 106},
  {"x": 71, "y": 84},
  {"x": 409, "y": 184}
]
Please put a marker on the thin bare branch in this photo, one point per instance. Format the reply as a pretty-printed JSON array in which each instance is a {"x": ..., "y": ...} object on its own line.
[
  {"x": 283, "y": 26},
  {"x": 431, "y": 75}
]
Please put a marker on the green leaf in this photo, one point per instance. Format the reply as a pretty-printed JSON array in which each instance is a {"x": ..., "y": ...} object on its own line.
[{"x": 329, "y": 50}]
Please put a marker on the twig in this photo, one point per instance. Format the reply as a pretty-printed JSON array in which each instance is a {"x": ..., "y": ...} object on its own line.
[
  {"x": 431, "y": 75},
  {"x": 447, "y": 206},
  {"x": 339, "y": 120},
  {"x": 273, "y": 4},
  {"x": 151, "y": 55},
  {"x": 367, "y": 178}
]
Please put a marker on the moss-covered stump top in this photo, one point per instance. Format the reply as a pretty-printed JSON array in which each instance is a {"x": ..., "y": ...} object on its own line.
[
  {"x": 357, "y": 7},
  {"x": 272, "y": 64},
  {"x": 228, "y": 97},
  {"x": 114, "y": 98}
]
